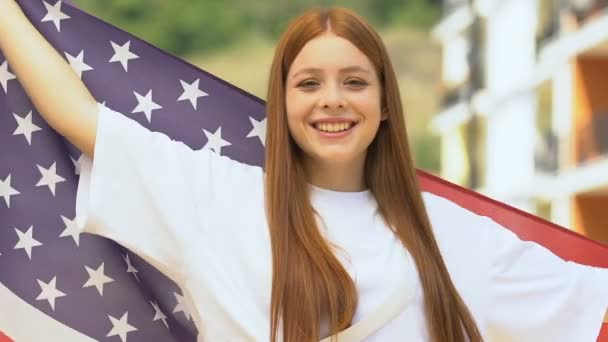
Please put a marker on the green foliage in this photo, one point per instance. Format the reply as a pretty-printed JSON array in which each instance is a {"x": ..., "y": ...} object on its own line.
[
  {"x": 413, "y": 13},
  {"x": 426, "y": 152},
  {"x": 417, "y": 13},
  {"x": 185, "y": 26},
  {"x": 178, "y": 26}
]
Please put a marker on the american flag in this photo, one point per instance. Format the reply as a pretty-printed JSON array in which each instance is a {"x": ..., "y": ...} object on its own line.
[
  {"x": 87, "y": 287},
  {"x": 58, "y": 285}
]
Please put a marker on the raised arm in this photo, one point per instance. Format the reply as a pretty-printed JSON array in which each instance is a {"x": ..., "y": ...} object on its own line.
[{"x": 56, "y": 91}]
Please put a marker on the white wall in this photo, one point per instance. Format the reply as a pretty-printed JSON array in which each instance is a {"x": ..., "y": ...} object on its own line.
[
  {"x": 562, "y": 103},
  {"x": 455, "y": 65},
  {"x": 510, "y": 53}
]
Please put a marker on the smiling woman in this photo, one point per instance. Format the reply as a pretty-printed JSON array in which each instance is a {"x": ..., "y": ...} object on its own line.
[{"x": 331, "y": 65}]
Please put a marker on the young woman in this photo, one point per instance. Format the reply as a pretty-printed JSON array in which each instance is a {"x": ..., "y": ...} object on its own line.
[{"x": 333, "y": 224}]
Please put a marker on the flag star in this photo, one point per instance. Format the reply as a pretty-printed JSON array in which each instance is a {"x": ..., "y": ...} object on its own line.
[
  {"x": 259, "y": 129},
  {"x": 25, "y": 126},
  {"x": 120, "y": 327},
  {"x": 122, "y": 54},
  {"x": 78, "y": 163},
  {"x": 49, "y": 291},
  {"x": 145, "y": 105},
  {"x": 130, "y": 268},
  {"x": 27, "y": 241},
  {"x": 77, "y": 63},
  {"x": 54, "y": 14},
  {"x": 5, "y": 76},
  {"x": 71, "y": 229},
  {"x": 50, "y": 177},
  {"x": 215, "y": 141},
  {"x": 191, "y": 92},
  {"x": 158, "y": 314},
  {"x": 182, "y": 306},
  {"x": 97, "y": 278},
  {"x": 7, "y": 191}
]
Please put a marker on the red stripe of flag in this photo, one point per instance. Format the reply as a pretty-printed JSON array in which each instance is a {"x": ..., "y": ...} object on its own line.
[{"x": 4, "y": 338}]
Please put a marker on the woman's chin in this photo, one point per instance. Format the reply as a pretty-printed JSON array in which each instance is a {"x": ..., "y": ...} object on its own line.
[{"x": 335, "y": 157}]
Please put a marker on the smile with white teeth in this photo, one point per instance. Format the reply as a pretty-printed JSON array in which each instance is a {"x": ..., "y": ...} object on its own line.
[{"x": 333, "y": 128}]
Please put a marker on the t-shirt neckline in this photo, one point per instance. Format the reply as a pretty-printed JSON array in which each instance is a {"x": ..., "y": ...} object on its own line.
[{"x": 344, "y": 199}]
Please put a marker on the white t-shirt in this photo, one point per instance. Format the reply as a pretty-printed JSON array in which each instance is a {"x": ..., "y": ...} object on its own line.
[{"x": 199, "y": 218}]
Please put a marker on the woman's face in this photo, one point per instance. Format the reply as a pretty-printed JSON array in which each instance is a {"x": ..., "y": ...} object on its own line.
[{"x": 331, "y": 81}]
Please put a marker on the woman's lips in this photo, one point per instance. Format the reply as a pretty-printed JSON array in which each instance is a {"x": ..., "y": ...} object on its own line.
[{"x": 335, "y": 135}]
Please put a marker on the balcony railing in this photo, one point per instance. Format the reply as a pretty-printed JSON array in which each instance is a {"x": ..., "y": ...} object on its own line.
[
  {"x": 464, "y": 91},
  {"x": 568, "y": 15},
  {"x": 585, "y": 10},
  {"x": 546, "y": 153},
  {"x": 549, "y": 29},
  {"x": 451, "y": 5},
  {"x": 453, "y": 96},
  {"x": 592, "y": 140}
]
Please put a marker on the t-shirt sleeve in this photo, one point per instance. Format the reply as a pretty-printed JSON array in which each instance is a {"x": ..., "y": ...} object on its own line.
[
  {"x": 534, "y": 295},
  {"x": 526, "y": 292},
  {"x": 142, "y": 190}
]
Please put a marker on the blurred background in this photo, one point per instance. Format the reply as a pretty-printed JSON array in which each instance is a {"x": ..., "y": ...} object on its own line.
[
  {"x": 524, "y": 106},
  {"x": 505, "y": 97}
]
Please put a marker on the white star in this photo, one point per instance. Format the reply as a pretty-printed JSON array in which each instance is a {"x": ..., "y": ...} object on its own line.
[
  {"x": 182, "y": 306},
  {"x": 77, "y": 63},
  {"x": 5, "y": 76},
  {"x": 49, "y": 292},
  {"x": 130, "y": 268},
  {"x": 145, "y": 104},
  {"x": 191, "y": 92},
  {"x": 25, "y": 126},
  {"x": 54, "y": 14},
  {"x": 78, "y": 163},
  {"x": 97, "y": 278},
  {"x": 7, "y": 191},
  {"x": 50, "y": 177},
  {"x": 71, "y": 229},
  {"x": 259, "y": 129},
  {"x": 158, "y": 314},
  {"x": 122, "y": 54},
  {"x": 215, "y": 141},
  {"x": 27, "y": 241},
  {"x": 120, "y": 327}
]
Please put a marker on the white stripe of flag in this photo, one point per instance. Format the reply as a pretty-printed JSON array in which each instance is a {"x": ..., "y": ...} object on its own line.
[{"x": 20, "y": 321}]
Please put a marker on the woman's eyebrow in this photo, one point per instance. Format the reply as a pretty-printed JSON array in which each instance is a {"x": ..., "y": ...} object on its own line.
[{"x": 312, "y": 70}]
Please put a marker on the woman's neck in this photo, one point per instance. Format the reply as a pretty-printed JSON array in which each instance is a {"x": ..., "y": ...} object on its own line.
[{"x": 346, "y": 177}]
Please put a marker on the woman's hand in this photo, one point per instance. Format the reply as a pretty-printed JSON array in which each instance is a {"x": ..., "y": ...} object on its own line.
[
  {"x": 7, "y": 3},
  {"x": 8, "y": 8}
]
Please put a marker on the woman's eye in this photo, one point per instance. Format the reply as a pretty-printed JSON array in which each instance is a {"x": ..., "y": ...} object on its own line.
[
  {"x": 307, "y": 84},
  {"x": 357, "y": 83}
]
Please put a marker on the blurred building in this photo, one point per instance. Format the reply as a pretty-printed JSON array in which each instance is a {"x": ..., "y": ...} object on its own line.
[{"x": 524, "y": 117}]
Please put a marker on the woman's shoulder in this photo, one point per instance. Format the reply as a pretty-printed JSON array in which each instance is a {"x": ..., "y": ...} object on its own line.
[
  {"x": 229, "y": 164},
  {"x": 226, "y": 183}
]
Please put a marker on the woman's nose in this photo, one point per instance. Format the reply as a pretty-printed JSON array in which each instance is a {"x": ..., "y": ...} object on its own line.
[{"x": 332, "y": 97}]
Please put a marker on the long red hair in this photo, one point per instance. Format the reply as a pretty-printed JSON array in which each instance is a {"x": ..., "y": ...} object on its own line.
[{"x": 308, "y": 282}]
